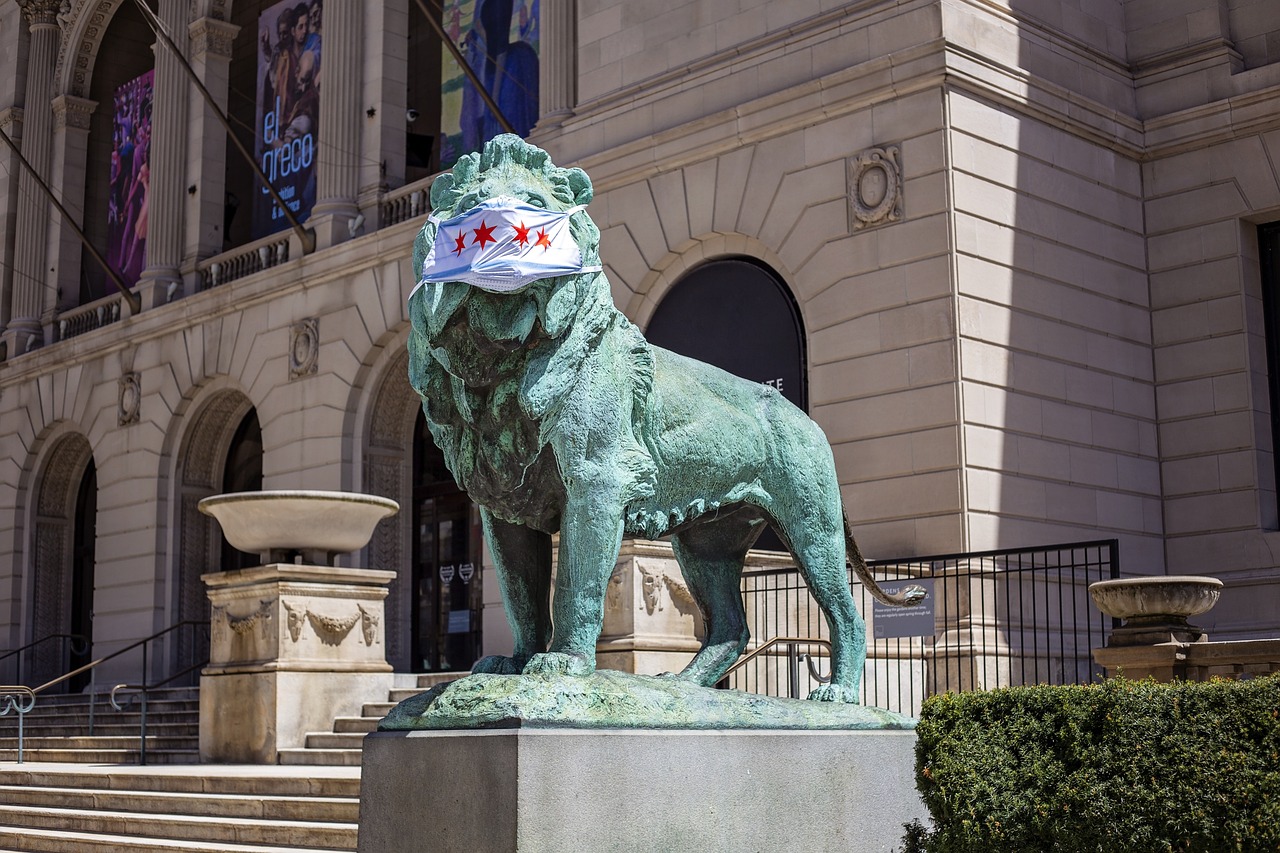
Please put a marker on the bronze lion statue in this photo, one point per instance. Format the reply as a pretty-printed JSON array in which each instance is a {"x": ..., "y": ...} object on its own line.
[{"x": 556, "y": 415}]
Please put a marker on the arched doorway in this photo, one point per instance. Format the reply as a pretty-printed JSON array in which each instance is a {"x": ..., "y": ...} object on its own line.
[
  {"x": 223, "y": 446},
  {"x": 737, "y": 314},
  {"x": 62, "y": 580},
  {"x": 433, "y": 544}
]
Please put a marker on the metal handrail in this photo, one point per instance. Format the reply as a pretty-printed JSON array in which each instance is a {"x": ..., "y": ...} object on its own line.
[
  {"x": 31, "y": 692},
  {"x": 143, "y": 689},
  {"x": 79, "y": 645},
  {"x": 793, "y": 661},
  {"x": 12, "y": 695}
]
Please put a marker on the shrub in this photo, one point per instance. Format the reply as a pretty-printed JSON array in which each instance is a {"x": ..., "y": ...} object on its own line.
[{"x": 1120, "y": 766}]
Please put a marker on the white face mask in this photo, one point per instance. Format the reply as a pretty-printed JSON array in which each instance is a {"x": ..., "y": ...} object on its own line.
[{"x": 502, "y": 245}]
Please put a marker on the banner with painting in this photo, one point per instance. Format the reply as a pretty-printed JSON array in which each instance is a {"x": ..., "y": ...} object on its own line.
[
  {"x": 130, "y": 181},
  {"x": 288, "y": 111},
  {"x": 499, "y": 39}
]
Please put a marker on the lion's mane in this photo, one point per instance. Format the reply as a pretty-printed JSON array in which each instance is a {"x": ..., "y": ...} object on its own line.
[{"x": 494, "y": 369}]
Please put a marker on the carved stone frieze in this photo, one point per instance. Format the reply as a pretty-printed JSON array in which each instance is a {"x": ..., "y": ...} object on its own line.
[
  {"x": 130, "y": 407},
  {"x": 212, "y": 36},
  {"x": 295, "y": 616},
  {"x": 86, "y": 40},
  {"x": 304, "y": 348},
  {"x": 875, "y": 186},
  {"x": 332, "y": 630},
  {"x": 613, "y": 592},
  {"x": 70, "y": 111},
  {"x": 11, "y": 117}
]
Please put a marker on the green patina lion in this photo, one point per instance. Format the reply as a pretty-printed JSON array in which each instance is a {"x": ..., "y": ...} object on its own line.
[{"x": 555, "y": 414}]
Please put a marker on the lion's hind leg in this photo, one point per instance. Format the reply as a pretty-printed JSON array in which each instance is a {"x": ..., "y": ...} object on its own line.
[
  {"x": 818, "y": 545},
  {"x": 711, "y": 555}
]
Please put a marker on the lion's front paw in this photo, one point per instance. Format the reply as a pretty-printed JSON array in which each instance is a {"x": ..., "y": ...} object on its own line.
[
  {"x": 835, "y": 693},
  {"x": 560, "y": 663},
  {"x": 498, "y": 665}
]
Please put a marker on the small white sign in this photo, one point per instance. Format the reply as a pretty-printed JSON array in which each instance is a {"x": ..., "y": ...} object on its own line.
[
  {"x": 459, "y": 621},
  {"x": 466, "y": 571},
  {"x": 446, "y": 573},
  {"x": 917, "y": 621}
]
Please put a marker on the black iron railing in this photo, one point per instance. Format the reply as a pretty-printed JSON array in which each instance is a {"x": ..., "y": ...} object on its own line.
[
  {"x": 999, "y": 618},
  {"x": 22, "y": 699},
  {"x": 66, "y": 647}
]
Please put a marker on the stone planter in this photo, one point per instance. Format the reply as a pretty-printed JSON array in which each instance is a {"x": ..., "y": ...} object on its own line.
[
  {"x": 1156, "y": 609},
  {"x": 314, "y": 525}
]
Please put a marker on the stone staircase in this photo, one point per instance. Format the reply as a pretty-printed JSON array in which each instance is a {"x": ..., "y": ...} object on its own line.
[
  {"x": 341, "y": 747},
  {"x": 57, "y": 729},
  {"x": 210, "y": 808}
]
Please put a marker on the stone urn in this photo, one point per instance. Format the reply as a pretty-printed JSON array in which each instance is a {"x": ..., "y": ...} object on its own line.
[
  {"x": 1156, "y": 609},
  {"x": 313, "y": 525}
]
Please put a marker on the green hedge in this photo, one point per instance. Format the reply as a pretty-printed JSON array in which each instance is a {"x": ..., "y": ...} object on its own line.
[{"x": 1116, "y": 767}]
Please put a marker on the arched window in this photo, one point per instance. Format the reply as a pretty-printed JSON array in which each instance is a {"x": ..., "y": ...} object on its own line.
[
  {"x": 737, "y": 314},
  {"x": 118, "y": 176}
]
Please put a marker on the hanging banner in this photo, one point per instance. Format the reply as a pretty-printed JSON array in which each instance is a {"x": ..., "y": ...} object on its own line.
[
  {"x": 499, "y": 39},
  {"x": 130, "y": 178},
  {"x": 288, "y": 112}
]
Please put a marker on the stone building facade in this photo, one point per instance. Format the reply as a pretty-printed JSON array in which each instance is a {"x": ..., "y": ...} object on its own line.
[{"x": 1021, "y": 238}]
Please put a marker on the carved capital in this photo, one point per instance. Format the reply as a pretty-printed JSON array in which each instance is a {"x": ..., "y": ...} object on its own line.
[
  {"x": 875, "y": 186},
  {"x": 70, "y": 111},
  {"x": 41, "y": 12},
  {"x": 212, "y": 36},
  {"x": 11, "y": 117},
  {"x": 130, "y": 408},
  {"x": 304, "y": 348}
]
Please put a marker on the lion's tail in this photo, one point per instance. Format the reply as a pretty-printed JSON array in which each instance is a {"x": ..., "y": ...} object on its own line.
[{"x": 909, "y": 596}]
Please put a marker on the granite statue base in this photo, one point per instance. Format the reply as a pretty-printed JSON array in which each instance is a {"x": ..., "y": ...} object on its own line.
[{"x": 563, "y": 790}]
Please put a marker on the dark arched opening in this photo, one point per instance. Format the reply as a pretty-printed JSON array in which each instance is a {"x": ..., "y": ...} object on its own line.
[{"x": 82, "y": 562}]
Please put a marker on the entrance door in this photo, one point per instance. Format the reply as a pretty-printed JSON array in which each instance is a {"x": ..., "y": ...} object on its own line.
[{"x": 447, "y": 598}]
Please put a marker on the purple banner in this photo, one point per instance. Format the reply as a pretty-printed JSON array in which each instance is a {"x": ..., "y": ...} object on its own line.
[
  {"x": 130, "y": 178},
  {"x": 288, "y": 112}
]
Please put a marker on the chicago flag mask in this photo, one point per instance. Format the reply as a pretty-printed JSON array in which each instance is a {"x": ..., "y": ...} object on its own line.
[{"x": 503, "y": 244}]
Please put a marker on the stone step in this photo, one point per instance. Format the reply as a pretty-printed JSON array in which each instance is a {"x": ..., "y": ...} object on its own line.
[
  {"x": 103, "y": 756},
  {"x": 321, "y": 757},
  {"x": 377, "y": 709},
  {"x": 208, "y": 779},
  {"x": 259, "y": 805},
  {"x": 102, "y": 742},
  {"x": 279, "y": 833},
  {"x": 54, "y": 729},
  {"x": 56, "y": 841},
  {"x": 335, "y": 740},
  {"x": 364, "y": 725}
]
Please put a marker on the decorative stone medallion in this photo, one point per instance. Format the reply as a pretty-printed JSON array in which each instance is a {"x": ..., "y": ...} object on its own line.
[
  {"x": 130, "y": 399},
  {"x": 875, "y": 186},
  {"x": 304, "y": 348}
]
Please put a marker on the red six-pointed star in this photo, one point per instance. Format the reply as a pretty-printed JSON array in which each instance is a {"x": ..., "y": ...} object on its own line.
[
  {"x": 522, "y": 234},
  {"x": 460, "y": 243},
  {"x": 543, "y": 240},
  {"x": 484, "y": 234}
]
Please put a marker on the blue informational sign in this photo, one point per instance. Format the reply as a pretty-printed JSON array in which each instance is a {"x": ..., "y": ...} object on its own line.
[
  {"x": 288, "y": 113},
  {"x": 888, "y": 622}
]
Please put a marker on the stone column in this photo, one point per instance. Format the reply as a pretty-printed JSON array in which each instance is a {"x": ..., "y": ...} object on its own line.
[
  {"x": 558, "y": 68},
  {"x": 167, "y": 164},
  {"x": 70, "y": 157},
  {"x": 31, "y": 272},
  {"x": 10, "y": 172},
  {"x": 210, "y": 55},
  {"x": 338, "y": 154}
]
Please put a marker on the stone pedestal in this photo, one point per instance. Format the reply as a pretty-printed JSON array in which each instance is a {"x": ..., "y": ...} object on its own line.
[
  {"x": 651, "y": 622},
  {"x": 570, "y": 790},
  {"x": 291, "y": 647}
]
